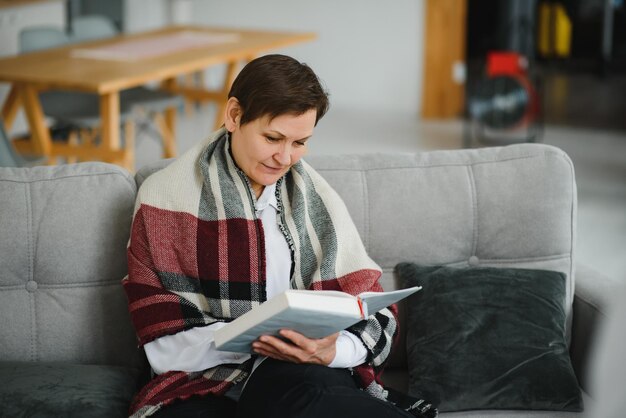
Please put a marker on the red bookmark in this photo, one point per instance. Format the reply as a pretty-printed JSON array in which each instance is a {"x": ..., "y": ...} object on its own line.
[{"x": 361, "y": 307}]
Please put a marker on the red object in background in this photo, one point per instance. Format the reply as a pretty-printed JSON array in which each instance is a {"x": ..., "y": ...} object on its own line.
[
  {"x": 506, "y": 63},
  {"x": 515, "y": 65}
]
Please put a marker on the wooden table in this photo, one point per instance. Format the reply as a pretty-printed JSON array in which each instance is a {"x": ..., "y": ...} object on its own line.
[
  {"x": 17, "y": 3},
  {"x": 76, "y": 67}
]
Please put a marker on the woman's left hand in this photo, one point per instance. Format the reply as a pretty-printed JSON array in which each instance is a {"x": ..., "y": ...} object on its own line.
[{"x": 299, "y": 349}]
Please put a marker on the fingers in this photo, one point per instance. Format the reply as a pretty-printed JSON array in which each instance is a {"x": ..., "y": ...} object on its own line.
[
  {"x": 281, "y": 350},
  {"x": 298, "y": 339},
  {"x": 269, "y": 351},
  {"x": 299, "y": 349}
]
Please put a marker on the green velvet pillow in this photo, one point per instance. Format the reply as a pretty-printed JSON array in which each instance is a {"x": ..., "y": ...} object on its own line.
[{"x": 489, "y": 338}]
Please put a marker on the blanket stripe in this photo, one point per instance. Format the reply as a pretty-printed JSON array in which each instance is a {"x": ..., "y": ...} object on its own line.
[{"x": 197, "y": 255}]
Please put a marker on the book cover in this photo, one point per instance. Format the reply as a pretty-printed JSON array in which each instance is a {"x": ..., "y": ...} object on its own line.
[{"x": 315, "y": 314}]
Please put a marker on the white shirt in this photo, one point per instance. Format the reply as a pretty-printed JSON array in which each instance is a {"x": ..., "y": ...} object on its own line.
[{"x": 194, "y": 349}]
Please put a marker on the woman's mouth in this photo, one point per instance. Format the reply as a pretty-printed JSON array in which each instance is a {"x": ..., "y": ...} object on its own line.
[{"x": 272, "y": 169}]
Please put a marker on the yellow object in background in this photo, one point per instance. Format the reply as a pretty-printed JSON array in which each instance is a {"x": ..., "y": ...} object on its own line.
[
  {"x": 562, "y": 32},
  {"x": 555, "y": 31},
  {"x": 543, "y": 35}
]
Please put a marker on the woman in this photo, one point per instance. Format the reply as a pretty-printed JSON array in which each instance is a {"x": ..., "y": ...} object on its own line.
[{"x": 233, "y": 222}]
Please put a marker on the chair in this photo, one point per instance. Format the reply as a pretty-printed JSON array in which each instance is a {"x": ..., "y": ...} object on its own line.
[
  {"x": 77, "y": 110},
  {"x": 8, "y": 156},
  {"x": 92, "y": 27},
  {"x": 41, "y": 37},
  {"x": 149, "y": 101}
]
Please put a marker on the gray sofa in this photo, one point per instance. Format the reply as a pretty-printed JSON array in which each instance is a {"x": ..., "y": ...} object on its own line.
[{"x": 67, "y": 347}]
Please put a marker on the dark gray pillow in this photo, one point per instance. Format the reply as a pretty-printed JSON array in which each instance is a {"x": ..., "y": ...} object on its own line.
[
  {"x": 489, "y": 338},
  {"x": 65, "y": 390}
]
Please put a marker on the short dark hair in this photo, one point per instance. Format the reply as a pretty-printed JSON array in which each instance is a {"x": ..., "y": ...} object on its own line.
[{"x": 274, "y": 85}]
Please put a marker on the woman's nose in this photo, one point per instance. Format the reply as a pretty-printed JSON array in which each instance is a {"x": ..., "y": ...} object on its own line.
[{"x": 283, "y": 156}]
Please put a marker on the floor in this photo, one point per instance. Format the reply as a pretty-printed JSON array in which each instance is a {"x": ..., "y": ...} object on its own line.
[{"x": 599, "y": 155}]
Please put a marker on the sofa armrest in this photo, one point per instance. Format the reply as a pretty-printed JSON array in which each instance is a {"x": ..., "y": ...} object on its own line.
[{"x": 591, "y": 299}]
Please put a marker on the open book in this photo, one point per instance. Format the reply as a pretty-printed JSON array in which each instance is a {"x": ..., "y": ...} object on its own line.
[{"x": 315, "y": 314}]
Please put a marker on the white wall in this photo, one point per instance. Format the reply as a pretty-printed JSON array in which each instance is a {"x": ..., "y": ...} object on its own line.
[
  {"x": 14, "y": 18},
  {"x": 369, "y": 53},
  {"x": 141, "y": 15}
]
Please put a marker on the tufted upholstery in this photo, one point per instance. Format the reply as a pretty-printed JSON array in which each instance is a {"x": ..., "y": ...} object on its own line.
[
  {"x": 66, "y": 230},
  {"x": 462, "y": 208}
]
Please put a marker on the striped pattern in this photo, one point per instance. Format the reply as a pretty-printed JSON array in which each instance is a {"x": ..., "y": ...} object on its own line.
[{"x": 196, "y": 256}]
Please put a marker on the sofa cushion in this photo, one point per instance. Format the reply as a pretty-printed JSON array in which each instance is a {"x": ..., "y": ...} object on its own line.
[
  {"x": 489, "y": 338},
  {"x": 65, "y": 390},
  {"x": 63, "y": 236}
]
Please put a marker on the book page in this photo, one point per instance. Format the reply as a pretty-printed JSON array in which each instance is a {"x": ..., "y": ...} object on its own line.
[
  {"x": 375, "y": 301},
  {"x": 335, "y": 293},
  {"x": 312, "y": 324},
  {"x": 314, "y": 314}
]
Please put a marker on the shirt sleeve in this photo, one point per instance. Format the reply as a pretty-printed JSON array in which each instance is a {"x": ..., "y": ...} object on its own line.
[
  {"x": 350, "y": 351},
  {"x": 189, "y": 351}
]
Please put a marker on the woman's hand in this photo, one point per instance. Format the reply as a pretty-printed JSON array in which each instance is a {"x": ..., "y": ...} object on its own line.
[{"x": 299, "y": 349}]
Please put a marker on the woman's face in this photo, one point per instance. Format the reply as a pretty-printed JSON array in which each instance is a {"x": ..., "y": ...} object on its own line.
[{"x": 266, "y": 149}]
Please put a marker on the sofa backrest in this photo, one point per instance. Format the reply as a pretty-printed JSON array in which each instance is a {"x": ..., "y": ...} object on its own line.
[
  {"x": 63, "y": 237},
  {"x": 64, "y": 230},
  {"x": 504, "y": 206},
  {"x": 512, "y": 206}
]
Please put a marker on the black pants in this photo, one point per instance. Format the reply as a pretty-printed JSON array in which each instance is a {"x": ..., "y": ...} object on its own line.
[
  {"x": 278, "y": 389},
  {"x": 199, "y": 407}
]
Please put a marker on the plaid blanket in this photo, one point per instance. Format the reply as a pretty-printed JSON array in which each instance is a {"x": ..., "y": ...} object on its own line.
[{"x": 196, "y": 256}]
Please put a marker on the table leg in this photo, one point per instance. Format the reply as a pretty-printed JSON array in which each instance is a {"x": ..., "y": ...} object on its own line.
[
  {"x": 189, "y": 104},
  {"x": 110, "y": 119},
  {"x": 9, "y": 109},
  {"x": 168, "y": 125},
  {"x": 129, "y": 138},
  {"x": 36, "y": 120}
]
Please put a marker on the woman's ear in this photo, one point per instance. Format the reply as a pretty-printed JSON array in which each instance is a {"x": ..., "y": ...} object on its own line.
[{"x": 232, "y": 115}]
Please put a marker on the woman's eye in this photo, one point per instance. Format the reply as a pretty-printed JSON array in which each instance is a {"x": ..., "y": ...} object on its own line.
[
  {"x": 300, "y": 143},
  {"x": 270, "y": 139}
]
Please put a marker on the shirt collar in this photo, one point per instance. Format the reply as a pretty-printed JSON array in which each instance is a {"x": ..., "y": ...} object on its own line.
[{"x": 267, "y": 198}]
